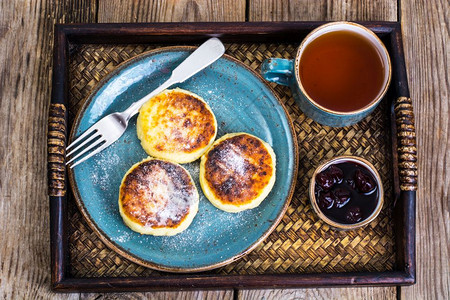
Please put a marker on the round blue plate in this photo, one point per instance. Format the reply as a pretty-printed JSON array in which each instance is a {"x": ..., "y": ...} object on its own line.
[{"x": 242, "y": 102}]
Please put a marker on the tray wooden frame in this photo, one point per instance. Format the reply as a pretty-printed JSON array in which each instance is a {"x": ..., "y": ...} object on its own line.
[{"x": 403, "y": 151}]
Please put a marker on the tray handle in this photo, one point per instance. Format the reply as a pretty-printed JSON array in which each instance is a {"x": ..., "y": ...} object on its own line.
[
  {"x": 56, "y": 145},
  {"x": 407, "y": 150}
]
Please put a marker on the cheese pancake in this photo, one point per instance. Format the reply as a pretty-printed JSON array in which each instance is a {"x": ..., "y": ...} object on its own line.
[
  {"x": 238, "y": 172},
  {"x": 177, "y": 125},
  {"x": 158, "y": 197}
]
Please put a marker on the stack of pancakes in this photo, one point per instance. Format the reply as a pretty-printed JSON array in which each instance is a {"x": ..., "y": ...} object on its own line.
[{"x": 158, "y": 197}]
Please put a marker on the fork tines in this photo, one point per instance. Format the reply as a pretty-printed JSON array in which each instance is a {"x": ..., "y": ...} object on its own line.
[{"x": 89, "y": 140}]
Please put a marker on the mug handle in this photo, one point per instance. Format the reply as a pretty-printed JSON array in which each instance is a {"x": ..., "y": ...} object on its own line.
[{"x": 278, "y": 70}]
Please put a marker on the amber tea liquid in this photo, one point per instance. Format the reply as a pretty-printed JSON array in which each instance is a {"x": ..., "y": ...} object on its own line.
[{"x": 342, "y": 71}]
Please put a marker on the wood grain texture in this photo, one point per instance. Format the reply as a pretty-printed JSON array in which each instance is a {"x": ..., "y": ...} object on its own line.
[
  {"x": 171, "y": 11},
  {"x": 426, "y": 41},
  {"x": 310, "y": 10},
  {"x": 198, "y": 295},
  {"x": 325, "y": 294},
  {"x": 322, "y": 10},
  {"x": 26, "y": 35}
]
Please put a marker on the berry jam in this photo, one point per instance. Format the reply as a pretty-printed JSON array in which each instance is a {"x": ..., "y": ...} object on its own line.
[{"x": 346, "y": 192}]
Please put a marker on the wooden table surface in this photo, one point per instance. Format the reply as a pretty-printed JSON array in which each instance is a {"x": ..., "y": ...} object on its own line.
[{"x": 26, "y": 36}]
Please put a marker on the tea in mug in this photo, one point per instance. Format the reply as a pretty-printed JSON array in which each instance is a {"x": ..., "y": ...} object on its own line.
[{"x": 342, "y": 71}]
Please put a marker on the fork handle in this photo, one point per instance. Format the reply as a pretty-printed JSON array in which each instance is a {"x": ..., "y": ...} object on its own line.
[{"x": 203, "y": 56}]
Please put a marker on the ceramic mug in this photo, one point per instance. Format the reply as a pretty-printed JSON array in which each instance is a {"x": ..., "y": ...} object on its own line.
[{"x": 286, "y": 72}]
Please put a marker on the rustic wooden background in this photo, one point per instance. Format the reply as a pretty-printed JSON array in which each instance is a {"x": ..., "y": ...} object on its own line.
[{"x": 26, "y": 43}]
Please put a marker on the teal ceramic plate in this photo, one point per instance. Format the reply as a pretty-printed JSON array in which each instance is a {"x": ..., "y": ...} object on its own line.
[{"x": 242, "y": 102}]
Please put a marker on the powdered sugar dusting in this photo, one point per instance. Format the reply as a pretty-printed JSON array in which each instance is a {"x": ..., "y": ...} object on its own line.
[
  {"x": 233, "y": 160},
  {"x": 165, "y": 195},
  {"x": 211, "y": 227},
  {"x": 105, "y": 164},
  {"x": 193, "y": 169},
  {"x": 124, "y": 236}
]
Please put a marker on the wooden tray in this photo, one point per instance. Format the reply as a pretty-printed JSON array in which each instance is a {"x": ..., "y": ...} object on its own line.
[{"x": 302, "y": 251}]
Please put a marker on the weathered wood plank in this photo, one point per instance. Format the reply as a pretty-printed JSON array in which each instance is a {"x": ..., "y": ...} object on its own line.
[
  {"x": 330, "y": 294},
  {"x": 171, "y": 11},
  {"x": 426, "y": 43},
  {"x": 200, "y": 295},
  {"x": 26, "y": 34},
  {"x": 322, "y": 10}
]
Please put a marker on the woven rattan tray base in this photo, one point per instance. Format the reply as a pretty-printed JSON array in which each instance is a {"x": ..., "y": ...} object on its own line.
[{"x": 300, "y": 243}]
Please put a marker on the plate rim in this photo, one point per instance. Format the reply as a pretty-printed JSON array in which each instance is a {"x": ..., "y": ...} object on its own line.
[{"x": 119, "y": 249}]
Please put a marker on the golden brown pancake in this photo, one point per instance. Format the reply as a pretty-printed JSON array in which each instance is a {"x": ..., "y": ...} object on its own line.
[
  {"x": 158, "y": 197},
  {"x": 237, "y": 172},
  {"x": 176, "y": 125}
]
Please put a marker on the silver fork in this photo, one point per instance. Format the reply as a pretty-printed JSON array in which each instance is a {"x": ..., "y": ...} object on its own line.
[{"x": 110, "y": 128}]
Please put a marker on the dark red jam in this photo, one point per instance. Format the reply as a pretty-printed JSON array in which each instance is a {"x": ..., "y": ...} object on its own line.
[{"x": 346, "y": 192}]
